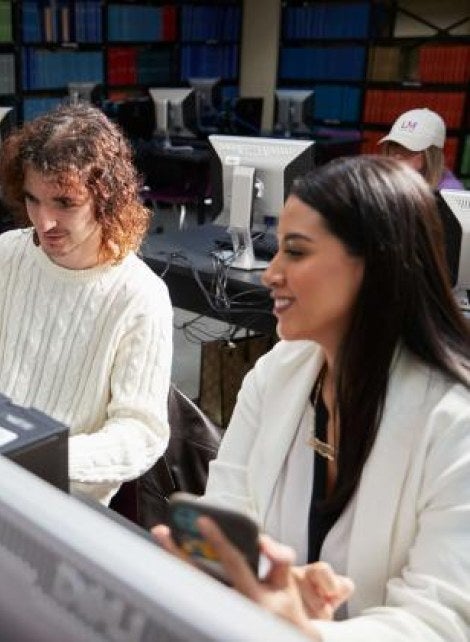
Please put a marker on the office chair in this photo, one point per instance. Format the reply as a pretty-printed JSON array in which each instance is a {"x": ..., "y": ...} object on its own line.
[
  {"x": 175, "y": 179},
  {"x": 194, "y": 442}
]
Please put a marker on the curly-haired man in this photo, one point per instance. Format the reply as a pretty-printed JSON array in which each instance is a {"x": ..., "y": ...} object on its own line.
[{"x": 85, "y": 325}]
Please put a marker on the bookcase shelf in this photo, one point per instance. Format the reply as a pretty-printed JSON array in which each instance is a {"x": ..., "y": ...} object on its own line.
[
  {"x": 364, "y": 76},
  {"x": 126, "y": 46}
]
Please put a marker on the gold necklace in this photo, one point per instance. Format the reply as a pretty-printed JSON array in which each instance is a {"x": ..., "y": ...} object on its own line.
[{"x": 323, "y": 448}]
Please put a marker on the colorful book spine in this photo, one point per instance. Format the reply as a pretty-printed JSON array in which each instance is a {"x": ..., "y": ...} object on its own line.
[
  {"x": 43, "y": 69},
  {"x": 209, "y": 60},
  {"x": 465, "y": 165},
  {"x": 384, "y": 106},
  {"x": 210, "y": 23},
  {"x": 7, "y": 74},
  {"x": 5, "y": 21},
  {"x": 326, "y": 20},
  {"x": 340, "y": 62},
  {"x": 141, "y": 23},
  {"x": 170, "y": 22},
  {"x": 444, "y": 63},
  {"x": 61, "y": 21},
  {"x": 121, "y": 65}
]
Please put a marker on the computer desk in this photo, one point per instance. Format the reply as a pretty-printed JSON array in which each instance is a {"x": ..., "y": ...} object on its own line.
[{"x": 176, "y": 256}]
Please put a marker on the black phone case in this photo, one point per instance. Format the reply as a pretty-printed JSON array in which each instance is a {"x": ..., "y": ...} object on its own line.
[{"x": 238, "y": 528}]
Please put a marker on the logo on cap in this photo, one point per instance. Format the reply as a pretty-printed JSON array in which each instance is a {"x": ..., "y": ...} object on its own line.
[{"x": 409, "y": 126}]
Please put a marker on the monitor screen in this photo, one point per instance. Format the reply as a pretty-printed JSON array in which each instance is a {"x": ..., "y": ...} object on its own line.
[
  {"x": 136, "y": 117},
  {"x": 175, "y": 111},
  {"x": 294, "y": 111},
  {"x": 247, "y": 116},
  {"x": 71, "y": 573},
  {"x": 454, "y": 210},
  {"x": 257, "y": 174},
  {"x": 7, "y": 122},
  {"x": 208, "y": 98}
]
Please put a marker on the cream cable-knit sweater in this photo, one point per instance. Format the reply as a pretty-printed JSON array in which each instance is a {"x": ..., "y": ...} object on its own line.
[{"x": 91, "y": 348}]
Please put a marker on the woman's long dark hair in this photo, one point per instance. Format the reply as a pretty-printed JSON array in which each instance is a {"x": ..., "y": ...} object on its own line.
[{"x": 384, "y": 212}]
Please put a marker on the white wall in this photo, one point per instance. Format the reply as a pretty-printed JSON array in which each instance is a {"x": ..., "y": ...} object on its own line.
[{"x": 259, "y": 51}]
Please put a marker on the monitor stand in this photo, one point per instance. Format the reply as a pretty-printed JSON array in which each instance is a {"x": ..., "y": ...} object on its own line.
[
  {"x": 168, "y": 146},
  {"x": 463, "y": 300},
  {"x": 163, "y": 126},
  {"x": 242, "y": 256}
]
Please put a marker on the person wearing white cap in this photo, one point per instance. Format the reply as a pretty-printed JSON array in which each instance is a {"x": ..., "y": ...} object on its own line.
[{"x": 417, "y": 138}]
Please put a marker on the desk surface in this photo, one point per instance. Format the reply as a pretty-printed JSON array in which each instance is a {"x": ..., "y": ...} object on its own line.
[{"x": 181, "y": 257}]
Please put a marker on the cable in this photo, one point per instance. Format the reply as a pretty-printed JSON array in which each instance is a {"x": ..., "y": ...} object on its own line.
[{"x": 220, "y": 302}]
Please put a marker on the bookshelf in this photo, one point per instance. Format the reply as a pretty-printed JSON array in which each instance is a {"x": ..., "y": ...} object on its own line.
[
  {"x": 194, "y": 39},
  {"x": 7, "y": 55},
  {"x": 364, "y": 75},
  {"x": 126, "y": 46}
]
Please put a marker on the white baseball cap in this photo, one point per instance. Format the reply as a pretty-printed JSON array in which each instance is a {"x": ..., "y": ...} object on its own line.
[{"x": 417, "y": 130}]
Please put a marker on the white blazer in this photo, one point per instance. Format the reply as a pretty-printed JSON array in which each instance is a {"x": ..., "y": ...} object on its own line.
[{"x": 409, "y": 552}]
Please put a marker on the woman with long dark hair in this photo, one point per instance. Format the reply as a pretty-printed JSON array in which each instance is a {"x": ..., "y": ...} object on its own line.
[{"x": 350, "y": 440}]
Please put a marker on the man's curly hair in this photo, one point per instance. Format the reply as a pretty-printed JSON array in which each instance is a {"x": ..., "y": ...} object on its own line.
[{"x": 76, "y": 145}]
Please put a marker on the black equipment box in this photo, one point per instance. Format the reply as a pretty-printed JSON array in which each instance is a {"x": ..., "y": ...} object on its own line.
[{"x": 35, "y": 441}]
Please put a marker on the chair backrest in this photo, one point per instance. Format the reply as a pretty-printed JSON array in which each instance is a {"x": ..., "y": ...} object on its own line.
[{"x": 194, "y": 442}]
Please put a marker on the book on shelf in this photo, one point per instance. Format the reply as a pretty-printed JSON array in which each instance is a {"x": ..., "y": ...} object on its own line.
[
  {"x": 209, "y": 61},
  {"x": 43, "y": 69},
  {"x": 169, "y": 23},
  {"x": 339, "y": 62},
  {"x": 49, "y": 19},
  {"x": 450, "y": 151},
  {"x": 327, "y": 20},
  {"x": 204, "y": 23},
  {"x": 64, "y": 24},
  {"x": 385, "y": 64},
  {"x": 385, "y": 105},
  {"x": 339, "y": 102},
  {"x": 465, "y": 164},
  {"x": 444, "y": 63},
  {"x": 141, "y": 23},
  {"x": 7, "y": 74},
  {"x": 121, "y": 65},
  {"x": 6, "y": 34}
]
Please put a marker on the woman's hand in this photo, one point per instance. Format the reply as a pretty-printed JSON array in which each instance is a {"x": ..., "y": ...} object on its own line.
[
  {"x": 322, "y": 590},
  {"x": 278, "y": 591},
  {"x": 296, "y": 594}
]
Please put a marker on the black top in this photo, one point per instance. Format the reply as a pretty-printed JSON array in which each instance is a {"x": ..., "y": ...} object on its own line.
[{"x": 320, "y": 521}]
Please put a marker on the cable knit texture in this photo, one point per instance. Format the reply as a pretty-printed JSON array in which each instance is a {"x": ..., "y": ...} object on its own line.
[{"x": 91, "y": 348}]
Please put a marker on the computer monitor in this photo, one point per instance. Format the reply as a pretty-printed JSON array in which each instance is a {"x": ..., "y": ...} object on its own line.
[
  {"x": 257, "y": 174},
  {"x": 294, "y": 111},
  {"x": 175, "y": 111},
  {"x": 208, "y": 99},
  {"x": 136, "y": 117},
  {"x": 7, "y": 122},
  {"x": 88, "y": 92},
  {"x": 247, "y": 115},
  {"x": 454, "y": 210},
  {"x": 71, "y": 573}
]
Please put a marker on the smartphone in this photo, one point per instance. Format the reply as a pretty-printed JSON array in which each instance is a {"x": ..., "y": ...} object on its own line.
[{"x": 241, "y": 530}]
